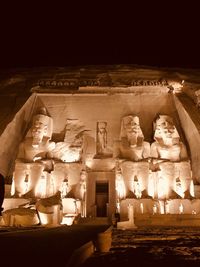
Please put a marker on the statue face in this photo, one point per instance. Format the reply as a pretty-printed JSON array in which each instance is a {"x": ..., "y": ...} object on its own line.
[
  {"x": 102, "y": 127},
  {"x": 83, "y": 175},
  {"x": 131, "y": 131},
  {"x": 132, "y": 125},
  {"x": 166, "y": 129},
  {"x": 39, "y": 129}
]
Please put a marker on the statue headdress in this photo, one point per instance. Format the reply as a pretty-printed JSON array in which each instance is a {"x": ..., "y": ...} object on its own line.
[
  {"x": 159, "y": 123},
  {"x": 125, "y": 121},
  {"x": 42, "y": 117}
]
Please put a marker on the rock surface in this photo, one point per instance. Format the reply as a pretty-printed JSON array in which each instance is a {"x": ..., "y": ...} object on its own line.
[{"x": 151, "y": 247}]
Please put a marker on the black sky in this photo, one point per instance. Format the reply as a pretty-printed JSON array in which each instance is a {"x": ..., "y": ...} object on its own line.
[{"x": 56, "y": 35}]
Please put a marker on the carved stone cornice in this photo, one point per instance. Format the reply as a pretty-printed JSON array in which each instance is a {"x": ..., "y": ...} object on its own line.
[
  {"x": 89, "y": 82},
  {"x": 75, "y": 83},
  {"x": 150, "y": 83},
  {"x": 109, "y": 82},
  {"x": 58, "y": 83},
  {"x": 78, "y": 84}
]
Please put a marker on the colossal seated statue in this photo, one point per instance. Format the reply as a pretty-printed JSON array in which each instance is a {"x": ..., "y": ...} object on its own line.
[
  {"x": 131, "y": 145},
  {"x": 167, "y": 143},
  {"x": 71, "y": 149},
  {"x": 36, "y": 145},
  {"x": 170, "y": 157},
  {"x": 34, "y": 158}
]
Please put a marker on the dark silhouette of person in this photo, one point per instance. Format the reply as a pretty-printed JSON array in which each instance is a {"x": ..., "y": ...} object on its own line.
[{"x": 2, "y": 192}]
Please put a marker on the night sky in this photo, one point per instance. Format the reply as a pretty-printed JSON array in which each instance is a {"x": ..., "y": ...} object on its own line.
[{"x": 54, "y": 35}]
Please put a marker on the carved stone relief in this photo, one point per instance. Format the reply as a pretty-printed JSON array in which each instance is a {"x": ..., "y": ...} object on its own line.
[
  {"x": 72, "y": 148},
  {"x": 102, "y": 150}
]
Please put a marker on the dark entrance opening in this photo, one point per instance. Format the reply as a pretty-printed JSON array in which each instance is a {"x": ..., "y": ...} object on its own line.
[{"x": 101, "y": 198}]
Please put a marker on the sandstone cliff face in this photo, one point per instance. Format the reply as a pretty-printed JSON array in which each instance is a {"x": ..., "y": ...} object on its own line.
[{"x": 121, "y": 88}]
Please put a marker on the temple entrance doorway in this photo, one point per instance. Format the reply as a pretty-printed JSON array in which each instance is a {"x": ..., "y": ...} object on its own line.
[{"x": 102, "y": 198}]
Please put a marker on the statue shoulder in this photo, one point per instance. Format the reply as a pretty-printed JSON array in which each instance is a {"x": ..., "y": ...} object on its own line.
[
  {"x": 154, "y": 145},
  {"x": 147, "y": 144},
  {"x": 51, "y": 145}
]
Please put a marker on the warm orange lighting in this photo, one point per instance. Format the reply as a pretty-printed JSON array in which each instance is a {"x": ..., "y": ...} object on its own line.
[
  {"x": 26, "y": 183},
  {"x": 162, "y": 208},
  {"x": 151, "y": 189},
  {"x": 52, "y": 186},
  {"x": 68, "y": 220},
  {"x": 44, "y": 218},
  {"x": 179, "y": 189},
  {"x": 41, "y": 187},
  {"x": 167, "y": 207},
  {"x": 120, "y": 186},
  {"x": 176, "y": 86},
  {"x": 142, "y": 208},
  {"x": 64, "y": 187},
  {"x": 136, "y": 187},
  {"x": 158, "y": 186},
  {"x": 118, "y": 207},
  {"x": 192, "y": 188},
  {"x": 155, "y": 209},
  {"x": 181, "y": 209},
  {"x": 12, "y": 191},
  {"x": 162, "y": 187},
  {"x": 71, "y": 156}
]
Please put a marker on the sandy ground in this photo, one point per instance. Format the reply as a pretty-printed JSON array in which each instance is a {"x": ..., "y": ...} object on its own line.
[{"x": 151, "y": 247}]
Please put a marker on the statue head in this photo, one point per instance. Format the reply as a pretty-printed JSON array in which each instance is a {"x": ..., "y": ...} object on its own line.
[
  {"x": 101, "y": 126},
  {"x": 42, "y": 126},
  {"x": 130, "y": 129},
  {"x": 83, "y": 175},
  {"x": 165, "y": 129}
]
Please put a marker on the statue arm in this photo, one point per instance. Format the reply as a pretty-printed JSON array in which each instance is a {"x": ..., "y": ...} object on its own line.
[{"x": 49, "y": 153}]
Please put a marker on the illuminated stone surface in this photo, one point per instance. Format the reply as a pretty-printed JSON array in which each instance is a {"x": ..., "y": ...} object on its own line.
[{"x": 129, "y": 118}]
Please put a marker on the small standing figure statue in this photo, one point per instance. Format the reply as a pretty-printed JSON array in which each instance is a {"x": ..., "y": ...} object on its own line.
[
  {"x": 42, "y": 187},
  {"x": 83, "y": 192},
  {"x": 102, "y": 149},
  {"x": 120, "y": 185},
  {"x": 179, "y": 189},
  {"x": 101, "y": 137},
  {"x": 26, "y": 183},
  {"x": 136, "y": 187},
  {"x": 65, "y": 187}
]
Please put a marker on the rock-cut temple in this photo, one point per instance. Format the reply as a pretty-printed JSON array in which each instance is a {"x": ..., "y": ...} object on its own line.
[{"x": 116, "y": 142}]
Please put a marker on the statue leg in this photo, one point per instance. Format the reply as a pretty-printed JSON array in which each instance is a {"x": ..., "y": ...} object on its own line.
[{"x": 2, "y": 192}]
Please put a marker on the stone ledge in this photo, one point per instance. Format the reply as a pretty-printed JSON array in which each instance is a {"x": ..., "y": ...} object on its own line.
[{"x": 168, "y": 220}]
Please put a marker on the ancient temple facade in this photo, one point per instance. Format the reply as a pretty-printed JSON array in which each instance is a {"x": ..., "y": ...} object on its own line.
[{"x": 95, "y": 142}]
